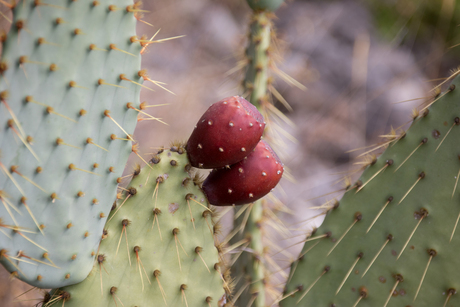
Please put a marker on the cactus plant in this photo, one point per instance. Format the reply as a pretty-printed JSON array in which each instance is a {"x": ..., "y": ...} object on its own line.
[
  {"x": 69, "y": 103},
  {"x": 252, "y": 270},
  {"x": 158, "y": 245},
  {"x": 392, "y": 239}
]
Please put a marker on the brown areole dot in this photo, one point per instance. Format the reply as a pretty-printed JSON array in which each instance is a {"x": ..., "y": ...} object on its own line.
[
  {"x": 101, "y": 258},
  {"x": 155, "y": 159},
  {"x": 3, "y": 67},
  {"x": 363, "y": 292},
  {"x": 132, "y": 191},
  {"x": 20, "y": 24}
]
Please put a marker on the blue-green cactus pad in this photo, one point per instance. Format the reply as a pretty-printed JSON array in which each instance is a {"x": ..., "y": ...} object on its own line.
[{"x": 60, "y": 153}]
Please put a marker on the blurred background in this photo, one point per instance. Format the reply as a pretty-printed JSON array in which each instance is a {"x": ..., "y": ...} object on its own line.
[{"x": 358, "y": 60}]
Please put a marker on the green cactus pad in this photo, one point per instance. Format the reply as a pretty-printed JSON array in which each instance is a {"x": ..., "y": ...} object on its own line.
[
  {"x": 166, "y": 215},
  {"x": 64, "y": 121},
  {"x": 265, "y": 5},
  {"x": 411, "y": 250}
]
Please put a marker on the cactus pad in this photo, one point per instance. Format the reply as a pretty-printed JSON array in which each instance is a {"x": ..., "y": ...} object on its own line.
[
  {"x": 392, "y": 239},
  {"x": 158, "y": 247},
  {"x": 65, "y": 90}
]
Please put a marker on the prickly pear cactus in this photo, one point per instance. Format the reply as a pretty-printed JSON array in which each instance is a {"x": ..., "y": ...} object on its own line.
[
  {"x": 68, "y": 104},
  {"x": 393, "y": 238},
  {"x": 250, "y": 268},
  {"x": 158, "y": 246},
  {"x": 254, "y": 267}
]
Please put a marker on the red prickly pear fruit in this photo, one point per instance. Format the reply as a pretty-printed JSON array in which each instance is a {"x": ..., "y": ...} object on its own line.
[
  {"x": 226, "y": 133},
  {"x": 246, "y": 181}
]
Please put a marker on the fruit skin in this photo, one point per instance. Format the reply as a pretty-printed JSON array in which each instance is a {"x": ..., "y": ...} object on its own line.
[
  {"x": 246, "y": 181},
  {"x": 226, "y": 133}
]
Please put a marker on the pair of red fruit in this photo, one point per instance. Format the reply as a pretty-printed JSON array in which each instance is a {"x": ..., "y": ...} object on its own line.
[{"x": 227, "y": 139}]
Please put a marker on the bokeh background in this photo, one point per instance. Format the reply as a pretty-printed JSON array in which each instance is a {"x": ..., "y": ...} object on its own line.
[{"x": 358, "y": 61}]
